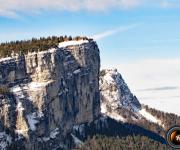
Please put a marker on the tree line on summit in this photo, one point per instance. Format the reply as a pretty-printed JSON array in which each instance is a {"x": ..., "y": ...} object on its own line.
[{"x": 34, "y": 45}]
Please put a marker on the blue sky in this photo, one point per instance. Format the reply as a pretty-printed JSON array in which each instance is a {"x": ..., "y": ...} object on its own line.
[{"x": 155, "y": 34}]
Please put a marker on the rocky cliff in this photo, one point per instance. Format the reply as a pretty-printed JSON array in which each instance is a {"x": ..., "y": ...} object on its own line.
[
  {"x": 56, "y": 99},
  {"x": 49, "y": 92},
  {"x": 122, "y": 114}
]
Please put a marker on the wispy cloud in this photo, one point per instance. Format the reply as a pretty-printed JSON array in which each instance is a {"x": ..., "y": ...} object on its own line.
[
  {"x": 114, "y": 31},
  {"x": 11, "y": 8},
  {"x": 165, "y": 41},
  {"x": 8, "y": 14},
  {"x": 160, "y": 88},
  {"x": 166, "y": 4}
]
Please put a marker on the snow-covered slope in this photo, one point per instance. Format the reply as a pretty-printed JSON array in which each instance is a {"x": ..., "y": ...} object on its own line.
[
  {"x": 115, "y": 92},
  {"x": 150, "y": 117},
  {"x": 115, "y": 96}
]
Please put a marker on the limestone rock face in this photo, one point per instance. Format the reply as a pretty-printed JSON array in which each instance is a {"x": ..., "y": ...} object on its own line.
[
  {"x": 12, "y": 69},
  {"x": 51, "y": 91}
]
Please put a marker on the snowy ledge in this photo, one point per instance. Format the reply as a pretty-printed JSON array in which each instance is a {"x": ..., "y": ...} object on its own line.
[
  {"x": 51, "y": 50},
  {"x": 72, "y": 43},
  {"x": 61, "y": 45},
  {"x": 6, "y": 59}
]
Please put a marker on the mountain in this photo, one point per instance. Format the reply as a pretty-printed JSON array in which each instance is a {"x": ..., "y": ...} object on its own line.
[
  {"x": 49, "y": 92},
  {"x": 58, "y": 99},
  {"x": 116, "y": 97},
  {"x": 118, "y": 103}
]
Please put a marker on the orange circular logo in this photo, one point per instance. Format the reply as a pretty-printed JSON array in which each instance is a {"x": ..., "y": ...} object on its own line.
[{"x": 173, "y": 137}]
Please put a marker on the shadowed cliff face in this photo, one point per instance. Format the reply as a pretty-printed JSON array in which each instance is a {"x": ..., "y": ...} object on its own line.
[{"x": 50, "y": 92}]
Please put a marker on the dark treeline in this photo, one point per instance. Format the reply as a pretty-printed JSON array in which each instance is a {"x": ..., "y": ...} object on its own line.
[
  {"x": 168, "y": 120},
  {"x": 34, "y": 45},
  {"x": 101, "y": 142}
]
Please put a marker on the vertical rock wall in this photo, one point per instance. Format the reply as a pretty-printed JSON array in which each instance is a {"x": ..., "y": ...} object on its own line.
[{"x": 52, "y": 91}]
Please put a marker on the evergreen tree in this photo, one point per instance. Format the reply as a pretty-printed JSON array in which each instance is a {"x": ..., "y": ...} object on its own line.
[{"x": 33, "y": 45}]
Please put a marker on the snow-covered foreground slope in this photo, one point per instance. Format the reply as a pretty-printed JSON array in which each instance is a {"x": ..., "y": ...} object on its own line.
[{"x": 115, "y": 95}]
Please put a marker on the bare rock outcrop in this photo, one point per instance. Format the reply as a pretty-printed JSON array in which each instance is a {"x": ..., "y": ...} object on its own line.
[{"x": 50, "y": 92}]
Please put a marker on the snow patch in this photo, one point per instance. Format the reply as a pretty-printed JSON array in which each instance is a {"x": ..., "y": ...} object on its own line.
[
  {"x": 18, "y": 91},
  {"x": 21, "y": 134},
  {"x": 45, "y": 139},
  {"x": 54, "y": 133},
  {"x": 103, "y": 108},
  {"x": 37, "y": 85},
  {"x": 6, "y": 59},
  {"x": 77, "y": 71},
  {"x": 32, "y": 120},
  {"x": 116, "y": 116},
  {"x": 108, "y": 78},
  {"x": 72, "y": 43},
  {"x": 40, "y": 114},
  {"x": 113, "y": 114},
  {"x": 51, "y": 50},
  {"x": 76, "y": 140},
  {"x": 80, "y": 129},
  {"x": 150, "y": 117},
  {"x": 21, "y": 131},
  {"x": 19, "y": 106},
  {"x": 5, "y": 140}
]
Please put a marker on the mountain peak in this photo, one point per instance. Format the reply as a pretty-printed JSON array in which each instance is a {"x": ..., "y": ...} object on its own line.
[
  {"x": 117, "y": 101},
  {"x": 115, "y": 92}
]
